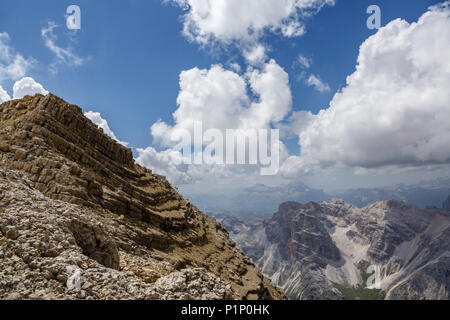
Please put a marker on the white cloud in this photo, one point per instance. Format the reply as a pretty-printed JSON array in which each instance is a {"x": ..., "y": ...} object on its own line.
[
  {"x": 4, "y": 96},
  {"x": 164, "y": 163},
  {"x": 304, "y": 61},
  {"x": 255, "y": 55},
  {"x": 27, "y": 86},
  {"x": 294, "y": 166},
  {"x": 63, "y": 55},
  {"x": 317, "y": 84},
  {"x": 395, "y": 109},
  {"x": 13, "y": 65},
  {"x": 271, "y": 85},
  {"x": 169, "y": 163},
  {"x": 243, "y": 23},
  {"x": 220, "y": 99},
  {"x": 96, "y": 118},
  {"x": 229, "y": 20}
]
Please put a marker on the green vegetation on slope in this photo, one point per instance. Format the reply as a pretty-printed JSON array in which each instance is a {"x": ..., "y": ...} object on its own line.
[{"x": 360, "y": 292}]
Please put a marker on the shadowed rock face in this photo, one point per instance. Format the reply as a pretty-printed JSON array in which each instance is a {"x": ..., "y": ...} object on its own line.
[
  {"x": 71, "y": 197},
  {"x": 299, "y": 233},
  {"x": 322, "y": 250}
]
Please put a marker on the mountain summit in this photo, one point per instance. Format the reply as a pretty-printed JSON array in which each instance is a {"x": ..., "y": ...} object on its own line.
[{"x": 79, "y": 219}]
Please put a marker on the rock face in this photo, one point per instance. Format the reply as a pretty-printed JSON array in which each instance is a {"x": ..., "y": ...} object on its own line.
[
  {"x": 329, "y": 250},
  {"x": 446, "y": 204},
  {"x": 300, "y": 234},
  {"x": 79, "y": 219}
]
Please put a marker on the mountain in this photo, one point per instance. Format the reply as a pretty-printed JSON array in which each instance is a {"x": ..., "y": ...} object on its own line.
[
  {"x": 79, "y": 219},
  {"x": 262, "y": 200},
  {"x": 330, "y": 249},
  {"x": 258, "y": 200},
  {"x": 428, "y": 193},
  {"x": 262, "y": 197}
]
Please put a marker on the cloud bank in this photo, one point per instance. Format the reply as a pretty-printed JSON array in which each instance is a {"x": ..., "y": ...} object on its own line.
[
  {"x": 395, "y": 108},
  {"x": 229, "y": 20},
  {"x": 244, "y": 22}
]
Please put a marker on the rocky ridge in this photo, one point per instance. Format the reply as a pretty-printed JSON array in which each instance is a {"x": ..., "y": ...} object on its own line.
[{"x": 71, "y": 198}]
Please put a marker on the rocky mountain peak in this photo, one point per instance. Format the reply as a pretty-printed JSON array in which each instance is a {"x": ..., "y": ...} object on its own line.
[{"x": 72, "y": 198}]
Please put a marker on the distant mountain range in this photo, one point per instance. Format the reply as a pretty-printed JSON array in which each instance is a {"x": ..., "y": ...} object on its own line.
[
  {"x": 262, "y": 200},
  {"x": 430, "y": 193},
  {"x": 333, "y": 250},
  {"x": 257, "y": 201}
]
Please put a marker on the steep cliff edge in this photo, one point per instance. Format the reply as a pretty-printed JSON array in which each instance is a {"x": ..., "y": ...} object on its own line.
[{"x": 73, "y": 202}]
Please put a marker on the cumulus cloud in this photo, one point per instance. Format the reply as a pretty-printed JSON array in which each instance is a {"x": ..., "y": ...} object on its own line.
[
  {"x": 96, "y": 118},
  {"x": 27, "y": 86},
  {"x": 65, "y": 56},
  {"x": 4, "y": 96},
  {"x": 169, "y": 163},
  {"x": 164, "y": 163},
  {"x": 395, "y": 108},
  {"x": 317, "y": 84},
  {"x": 220, "y": 99},
  {"x": 229, "y": 20},
  {"x": 243, "y": 23},
  {"x": 13, "y": 65}
]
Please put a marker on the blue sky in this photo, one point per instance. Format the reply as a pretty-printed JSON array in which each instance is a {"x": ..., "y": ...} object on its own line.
[
  {"x": 137, "y": 51},
  {"x": 133, "y": 53}
]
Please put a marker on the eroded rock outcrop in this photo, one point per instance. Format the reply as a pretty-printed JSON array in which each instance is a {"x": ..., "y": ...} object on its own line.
[{"x": 71, "y": 199}]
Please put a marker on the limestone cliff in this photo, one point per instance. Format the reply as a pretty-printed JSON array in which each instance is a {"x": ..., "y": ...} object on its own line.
[{"x": 72, "y": 200}]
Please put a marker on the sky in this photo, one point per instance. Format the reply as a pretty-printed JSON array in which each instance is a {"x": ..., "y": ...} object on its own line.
[{"x": 356, "y": 107}]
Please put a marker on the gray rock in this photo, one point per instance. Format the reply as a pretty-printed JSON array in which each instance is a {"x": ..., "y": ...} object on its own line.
[{"x": 322, "y": 250}]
